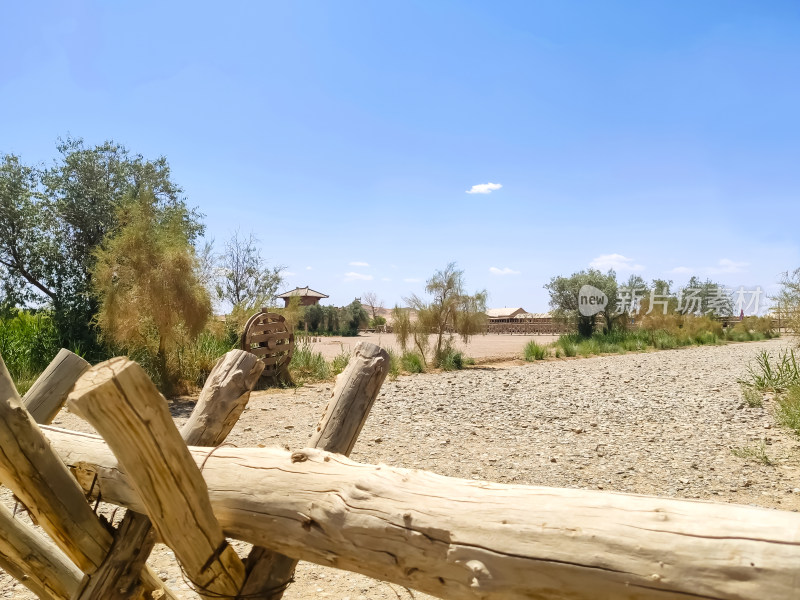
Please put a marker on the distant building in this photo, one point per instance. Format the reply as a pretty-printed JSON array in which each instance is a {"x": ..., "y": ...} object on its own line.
[
  {"x": 308, "y": 297},
  {"x": 503, "y": 315},
  {"x": 517, "y": 320}
]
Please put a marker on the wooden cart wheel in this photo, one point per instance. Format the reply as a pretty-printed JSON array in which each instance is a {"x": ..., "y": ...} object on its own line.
[{"x": 267, "y": 336}]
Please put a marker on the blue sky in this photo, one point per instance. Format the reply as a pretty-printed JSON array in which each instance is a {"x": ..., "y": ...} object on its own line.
[{"x": 658, "y": 137}]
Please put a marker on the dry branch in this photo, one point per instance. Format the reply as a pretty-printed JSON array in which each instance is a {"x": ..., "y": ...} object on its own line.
[{"x": 461, "y": 539}]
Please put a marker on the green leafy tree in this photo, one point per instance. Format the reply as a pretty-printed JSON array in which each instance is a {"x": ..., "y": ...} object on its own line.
[
  {"x": 706, "y": 297},
  {"x": 52, "y": 219},
  {"x": 355, "y": 316},
  {"x": 564, "y": 299},
  {"x": 145, "y": 278},
  {"x": 449, "y": 312}
]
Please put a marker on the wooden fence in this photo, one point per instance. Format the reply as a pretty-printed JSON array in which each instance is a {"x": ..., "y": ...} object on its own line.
[{"x": 451, "y": 538}]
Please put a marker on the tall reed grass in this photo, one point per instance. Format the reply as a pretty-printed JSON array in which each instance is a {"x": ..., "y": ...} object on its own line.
[{"x": 28, "y": 342}]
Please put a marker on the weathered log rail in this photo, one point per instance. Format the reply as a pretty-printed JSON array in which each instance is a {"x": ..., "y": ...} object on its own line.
[
  {"x": 457, "y": 538},
  {"x": 452, "y": 538}
]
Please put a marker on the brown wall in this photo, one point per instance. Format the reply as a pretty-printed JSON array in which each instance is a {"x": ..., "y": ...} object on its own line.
[{"x": 304, "y": 301}]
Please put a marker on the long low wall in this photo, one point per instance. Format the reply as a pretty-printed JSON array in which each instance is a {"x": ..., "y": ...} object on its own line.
[{"x": 528, "y": 328}]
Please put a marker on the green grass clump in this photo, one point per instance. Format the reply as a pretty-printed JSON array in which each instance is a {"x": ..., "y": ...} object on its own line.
[
  {"x": 766, "y": 376},
  {"x": 307, "y": 365},
  {"x": 395, "y": 367},
  {"x": 788, "y": 408},
  {"x": 752, "y": 397},
  {"x": 340, "y": 362},
  {"x": 28, "y": 342},
  {"x": 756, "y": 453},
  {"x": 412, "y": 362},
  {"x": 567, "y": 346},
  {"x": 534, "y": 351},
  {"x": 192, "y": 360}
]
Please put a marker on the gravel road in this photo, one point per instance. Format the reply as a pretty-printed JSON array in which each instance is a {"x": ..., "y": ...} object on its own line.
[{"x": 658, "y": 423}]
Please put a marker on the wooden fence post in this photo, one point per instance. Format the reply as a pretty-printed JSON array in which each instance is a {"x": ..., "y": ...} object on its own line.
[
  {"x": 119, "y": 399},
  {"x": 49, "y": 392},
  {"x": 269, "y": 573},
  {"x": 221, "y": 402}
]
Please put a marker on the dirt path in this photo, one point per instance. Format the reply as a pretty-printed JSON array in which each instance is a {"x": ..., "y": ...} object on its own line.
[
  {"x": 660, "y": 423},
  {"x": 480, "y": 347}
]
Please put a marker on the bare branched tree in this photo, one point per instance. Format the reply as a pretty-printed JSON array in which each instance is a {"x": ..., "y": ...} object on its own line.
[
  {"x": 245, "y": 279},
  {"x": 371, "y": 299}
]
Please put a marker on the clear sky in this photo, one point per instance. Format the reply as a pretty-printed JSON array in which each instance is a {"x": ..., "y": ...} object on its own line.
[{"x": 662, "y": 138}]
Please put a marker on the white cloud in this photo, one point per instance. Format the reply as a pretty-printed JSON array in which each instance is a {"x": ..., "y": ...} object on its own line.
[
  {"x": 412, "y": 280},
  {"x": 308, "y": 268},
  {"x": 352, "y": 276},
  {"x": 604, "y": 262},
  {"x": 484, "y": 188},
  {"x": 357, "y": 263},
  {"x": 682, "y": 270},
  {"x": 385, "y": 279},
  {"x": 288, "y": 274},
  {"x": 727, "y": 265},
  {"x": 503, "y": 271}
]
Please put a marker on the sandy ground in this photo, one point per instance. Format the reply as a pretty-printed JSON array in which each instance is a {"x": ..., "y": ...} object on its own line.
[
  {"x": 659, "y": 423},
  {"x": 480, "y": 347}
]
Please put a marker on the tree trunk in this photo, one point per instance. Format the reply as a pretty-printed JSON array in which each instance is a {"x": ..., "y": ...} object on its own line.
[{"x": 461, "y": 539}]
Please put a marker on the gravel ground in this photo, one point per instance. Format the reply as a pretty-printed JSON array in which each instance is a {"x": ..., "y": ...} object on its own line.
[{"x": 659, "y": 423}]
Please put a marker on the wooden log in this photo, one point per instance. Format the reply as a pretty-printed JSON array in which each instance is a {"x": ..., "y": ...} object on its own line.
[
  {"x": 355, "y": 391},
  {"x": 221, "y": 402},
  {"x": 36, "y": 475},
  {"x": 119, "y": 399},
  {"x": 34, "y": 561},
  {"x": 352, "y": 398},
  {"x": 25, "y": 554},
  {"x": 49, "y": 392},
  {"x": 30, "y": 468},
  {"x": 224, "y": 397},
  {"x": 464, "y": 539}
]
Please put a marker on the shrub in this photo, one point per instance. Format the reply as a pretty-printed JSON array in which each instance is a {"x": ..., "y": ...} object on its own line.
[
  {"x": 412, "y": 362},
  {"x": 452, "y": 360},
  {"x": 534, "y": 351}
]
